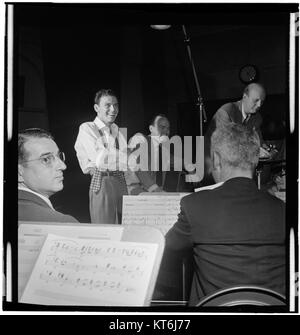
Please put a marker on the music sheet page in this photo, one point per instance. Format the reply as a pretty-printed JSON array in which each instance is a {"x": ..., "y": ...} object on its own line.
[
  {"x": 71, "y": 271},
  {"x": 32, "y": 236},
  {"x": 159, "y": 211}
]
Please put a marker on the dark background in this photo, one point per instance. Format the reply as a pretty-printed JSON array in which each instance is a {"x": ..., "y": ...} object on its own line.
[{"x": 65, "y": 53}]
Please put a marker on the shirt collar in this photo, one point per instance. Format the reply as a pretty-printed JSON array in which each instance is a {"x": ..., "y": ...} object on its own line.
[
  {"x": 245, "y": 116},
  {"x": 155, "y": 140},
  {"x": 100, "y": 124},
  {"x": 24, "y": 188}
]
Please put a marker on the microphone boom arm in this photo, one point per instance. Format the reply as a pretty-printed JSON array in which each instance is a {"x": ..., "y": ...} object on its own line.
[{"x": 199, "y": 98}]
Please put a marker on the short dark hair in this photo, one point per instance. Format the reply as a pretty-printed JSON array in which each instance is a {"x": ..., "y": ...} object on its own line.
[
  {"x": 27, "y": 134},
  {"x": 237, "y": 146},
  {"x": 153, "y": 119},
  {"x": 104, "y": 93}
]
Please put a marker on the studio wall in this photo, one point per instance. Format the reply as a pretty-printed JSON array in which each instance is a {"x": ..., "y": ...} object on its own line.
[{"x": 65, "y": 58}]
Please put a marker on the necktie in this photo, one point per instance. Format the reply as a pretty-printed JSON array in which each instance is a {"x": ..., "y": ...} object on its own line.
[
  {"x": 245, "y": 120},
  {"x": 159, "y": 172}
]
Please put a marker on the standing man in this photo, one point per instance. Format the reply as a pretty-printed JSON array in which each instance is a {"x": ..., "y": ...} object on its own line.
[
  {"x": 151, "y": 180},
  {"x": 235, "y": 231},
  {"x": 244, "y": 111},
  {"x": 102, "y": 152},
  {"x": 40, "y": 175}
]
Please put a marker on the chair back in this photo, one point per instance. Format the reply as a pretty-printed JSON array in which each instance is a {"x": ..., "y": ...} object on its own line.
[{"x": 243, "y": 296}]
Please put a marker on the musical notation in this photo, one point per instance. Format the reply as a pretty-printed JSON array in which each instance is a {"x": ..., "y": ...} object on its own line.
[
  {"x": 72, "y": 248},
  {"x": 31, "y": 238},
  {"x": 158, "y": 211},
  {"x": 114, "y": 272},
  {"x": 78, "y": 264},
  {"x": 63, "y": 280}
]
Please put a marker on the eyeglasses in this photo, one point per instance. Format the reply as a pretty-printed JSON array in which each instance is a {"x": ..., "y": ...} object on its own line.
[{"x": 49, "y": 159}]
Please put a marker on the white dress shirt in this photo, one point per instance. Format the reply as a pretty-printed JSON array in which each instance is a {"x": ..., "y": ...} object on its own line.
[
  {"x": 90, "y": 149},
  {"x": 245, "y": 116}
]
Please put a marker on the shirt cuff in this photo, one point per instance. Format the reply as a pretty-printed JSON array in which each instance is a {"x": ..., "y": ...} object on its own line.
[
  {"x": 152, "y": 187},
  {"x": 192, "y": 178}
]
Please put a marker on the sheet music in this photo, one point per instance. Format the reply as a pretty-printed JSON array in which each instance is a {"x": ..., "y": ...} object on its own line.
[
  {"x": 71, "y": 271},
  {"x": 32, "y": 236},
  {"x": 159, "y": 211}
]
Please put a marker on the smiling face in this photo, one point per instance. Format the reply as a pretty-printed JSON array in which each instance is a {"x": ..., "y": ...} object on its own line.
[
  {"x": 39, "y": 173},
  {"x": 107, "y": 109}
]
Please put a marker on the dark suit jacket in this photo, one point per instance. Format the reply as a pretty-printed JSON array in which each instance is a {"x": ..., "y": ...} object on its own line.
[
  {"x": 232, "y": 112},
  {"x": 33, "y": 208},
  {"x": 148, "y": 178},
  {"x": 237, "y": 234},
  {"x": 229, "y": 113}
]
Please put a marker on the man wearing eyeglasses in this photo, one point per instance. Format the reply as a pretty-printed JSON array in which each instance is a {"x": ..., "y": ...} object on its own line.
[{"x": 40, "y": 175}]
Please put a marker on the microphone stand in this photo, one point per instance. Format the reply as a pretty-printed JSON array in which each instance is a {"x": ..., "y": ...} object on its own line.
[{"x": 200, "y": 103}]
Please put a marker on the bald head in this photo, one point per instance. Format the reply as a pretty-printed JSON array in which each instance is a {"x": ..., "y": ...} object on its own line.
[
  {"x": 254, "y": 87},
  {"x": 253, "y": 98}
]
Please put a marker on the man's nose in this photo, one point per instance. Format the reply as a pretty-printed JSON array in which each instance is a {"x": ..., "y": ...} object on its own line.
[
  {"x": 113, "y": 108},
  {"x": 61, "y": 165}
]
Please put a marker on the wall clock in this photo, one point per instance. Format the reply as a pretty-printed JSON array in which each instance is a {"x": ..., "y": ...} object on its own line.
[{"x": 248, "y": 74}]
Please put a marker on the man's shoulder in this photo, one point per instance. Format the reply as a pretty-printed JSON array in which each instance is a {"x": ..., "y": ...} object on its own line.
[
  {"x": 229, "y": 107},
  {"x": 273, "y": 201},
  {"x": 64, "y": 218},
  {"x": 87, "y": 124},
  {"x": 24, "y": 195},
  {"x": 139, "y": 136},
  {"x": 137, "y": 139},
  {"x": 201, "y": 197},
  {"x": 32, "y": 208},
  {"x": 34, "y": 211}
]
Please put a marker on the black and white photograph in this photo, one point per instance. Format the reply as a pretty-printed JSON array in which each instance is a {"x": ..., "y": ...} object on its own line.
[{"x": 157, "y": 165}]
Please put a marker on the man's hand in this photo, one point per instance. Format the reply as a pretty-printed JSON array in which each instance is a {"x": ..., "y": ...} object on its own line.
[
  {"x": 158, "y": 189},
  {"x": 92, "y": 170},
  {"x": 263, "y": 153}
]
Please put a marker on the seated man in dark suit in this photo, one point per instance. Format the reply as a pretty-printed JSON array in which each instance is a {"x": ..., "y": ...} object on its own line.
[
  {"x": 150, "y": 180},
  {"x": 236, "y": 232},
  {"x": 40, "y": 175}
]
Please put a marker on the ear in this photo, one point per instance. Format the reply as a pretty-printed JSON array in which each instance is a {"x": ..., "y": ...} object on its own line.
[
  {"x": 150, "y": 128},
  {"x": 96, "y": 108},
  {"x": 20, "y": 173}
]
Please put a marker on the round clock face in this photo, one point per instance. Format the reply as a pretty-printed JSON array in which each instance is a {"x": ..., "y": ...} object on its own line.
[{"x": 248, "y": 73}]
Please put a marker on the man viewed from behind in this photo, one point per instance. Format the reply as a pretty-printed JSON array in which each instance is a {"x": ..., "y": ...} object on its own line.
[
  {"x": 40, "y": 175},
  {"x": 236, "y": 232}
]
